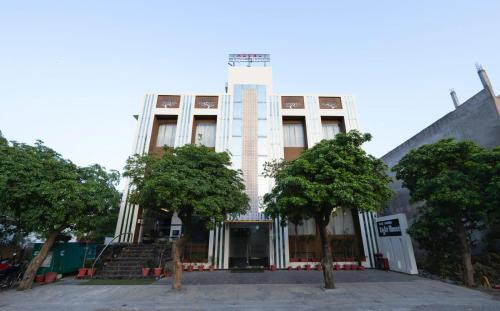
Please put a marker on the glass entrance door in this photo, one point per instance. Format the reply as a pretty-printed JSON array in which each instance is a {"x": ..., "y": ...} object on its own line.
[{"x": 248, "y": 245}]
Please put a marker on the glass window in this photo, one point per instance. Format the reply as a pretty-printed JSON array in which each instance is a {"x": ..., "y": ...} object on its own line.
[
  {"x": 205, "y": 134},
  {"x": 166, "y": 135},
  {"x": 330, "y": 129},
  {"x": 293, "y": 135}
]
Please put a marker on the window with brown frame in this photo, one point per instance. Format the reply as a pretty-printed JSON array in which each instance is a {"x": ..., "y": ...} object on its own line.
[
  {"x": 206, "y": 102},
  {"x": 294, "y": 137},
  {"x": 163, "y": 133},
  {"x": 168, "y": 101},
  {"x": 292, "y": 102},
  {"x": 330, "y": 103},
  {"x": 204, "y": 131},
  {"x": 332, "y": 126}
]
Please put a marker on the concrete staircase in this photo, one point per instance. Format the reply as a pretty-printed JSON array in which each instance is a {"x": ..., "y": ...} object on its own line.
[{"x": 129, "y": 264}]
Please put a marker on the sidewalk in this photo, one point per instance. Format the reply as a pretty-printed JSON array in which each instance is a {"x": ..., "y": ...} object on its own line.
[{"x": 395, "y": 292}]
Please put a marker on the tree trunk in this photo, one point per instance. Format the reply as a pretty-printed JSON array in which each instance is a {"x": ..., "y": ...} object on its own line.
[
  {"x": 35, "y": 263},
  {"x": 178, "y": 246},
  {"x": 327, "y": 261},
  {"x": 467, "y": 269}
]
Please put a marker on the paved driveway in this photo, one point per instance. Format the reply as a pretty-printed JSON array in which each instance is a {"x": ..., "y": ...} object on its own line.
[{"x": 369, "y": 290}]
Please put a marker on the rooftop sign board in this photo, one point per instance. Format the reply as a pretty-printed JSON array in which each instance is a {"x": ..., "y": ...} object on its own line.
[{"x": 249, "y": 58}]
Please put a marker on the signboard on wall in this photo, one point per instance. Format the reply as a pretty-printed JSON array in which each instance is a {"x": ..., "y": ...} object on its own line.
[
  {"x": 395, "y": 243},
  {"x": 390, "y": 227}
]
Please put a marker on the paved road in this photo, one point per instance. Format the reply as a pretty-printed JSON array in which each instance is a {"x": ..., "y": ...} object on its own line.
[{"x": 388, "y": 291}]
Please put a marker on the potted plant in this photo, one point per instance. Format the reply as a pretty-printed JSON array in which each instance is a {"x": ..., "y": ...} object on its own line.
[
  {"x": 308, "y": 267},
  {"x": 50, "y": 277},
  {"x": 201, "y": 268},
  {"x": 336, "y": 267},
  {"x": 146, "y": 268},
  {"x": 168, "y": 269},
  {"x": 157, "y": 271},
  {"x": 190, "y": 268},
  {"x": 318, "y": 267}
]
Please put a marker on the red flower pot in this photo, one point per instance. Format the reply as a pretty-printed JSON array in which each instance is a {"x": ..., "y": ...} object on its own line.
[
  {"x": 289, "y": 268},
  {"x": 318, "y": 267},
  {"x": 91, "y": 272},
  {"x": 157, "y": 272},
  {"x": 347, "y": 267},
  {"x": 336, "y": 267},
  {"x": 145, "y": 272},
  {"x": 201, "y": 268},
  {"x": 50, "y": 277},
  {"x": 40, "y": 278},
  {"x": 314, "y": 260},
  {"x": 190, "y": 268},
  {"x": 302, "y": 259},
  {"x": 82, "y": 272},
  {"x": 293, "y": 259},
  {"x": 308, "y": 267}
]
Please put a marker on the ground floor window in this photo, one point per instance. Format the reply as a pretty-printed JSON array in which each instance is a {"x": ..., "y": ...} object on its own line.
[{"x": 344, "y": 238}]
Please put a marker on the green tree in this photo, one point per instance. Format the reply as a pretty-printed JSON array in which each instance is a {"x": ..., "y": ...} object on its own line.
[
  {"x": 459, "y": 185},
  {"x": 190, "y": 181},
  {"x": 334, "y": 173},
  {"x": 48, "y": 195}
]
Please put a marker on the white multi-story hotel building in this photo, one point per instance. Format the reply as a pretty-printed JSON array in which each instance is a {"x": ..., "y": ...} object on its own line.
[{"x": 255, "y": 125}]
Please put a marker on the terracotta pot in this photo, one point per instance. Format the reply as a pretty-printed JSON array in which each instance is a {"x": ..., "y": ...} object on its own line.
[
  {"x": 145, "y": 272},
  {"x": 91, "y": 272},
  {"x": 157, "y": 272},
  {"x": 201, "y": 268},
  {"x": 82, "y": 272},
  {"x": 273, "y": 267},
  {"x": 50, "y": 277},
  {"x": 40, "y": 278}
]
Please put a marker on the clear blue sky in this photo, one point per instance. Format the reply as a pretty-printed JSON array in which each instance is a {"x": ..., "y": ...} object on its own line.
[{"x": 72, "y": 73}]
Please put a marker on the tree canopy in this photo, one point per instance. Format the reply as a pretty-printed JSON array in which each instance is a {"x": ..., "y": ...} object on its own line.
[
  {"x": 190, "y": 181},
  {"x": 43, "y": 193},
  {"x": 458, "y": 183},
  {"x": 333, "y": 173}
]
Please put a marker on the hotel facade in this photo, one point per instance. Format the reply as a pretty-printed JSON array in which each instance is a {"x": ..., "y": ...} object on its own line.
[{"x": 255, "y": 125}]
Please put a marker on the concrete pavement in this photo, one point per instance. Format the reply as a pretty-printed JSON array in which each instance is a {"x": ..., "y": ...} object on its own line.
[{"x": 396, "y": 292}]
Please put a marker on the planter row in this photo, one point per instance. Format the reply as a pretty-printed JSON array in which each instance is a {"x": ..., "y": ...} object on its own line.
[
  {"x": 319, "y": 267},
  {"x": 200, "y": 268},
  {"x": 48, "y": 277},
  {"x": 347, "y": 259}
]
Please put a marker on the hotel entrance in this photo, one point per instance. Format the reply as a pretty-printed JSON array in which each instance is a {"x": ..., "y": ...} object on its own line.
[{"x": 249, "y": 245}]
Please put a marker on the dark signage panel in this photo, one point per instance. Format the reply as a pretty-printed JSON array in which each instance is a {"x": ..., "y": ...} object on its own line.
[{"x": 389, "y": 228}]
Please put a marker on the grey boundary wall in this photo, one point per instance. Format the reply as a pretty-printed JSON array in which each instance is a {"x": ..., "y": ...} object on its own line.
[{"x": 477, "y": 119}]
